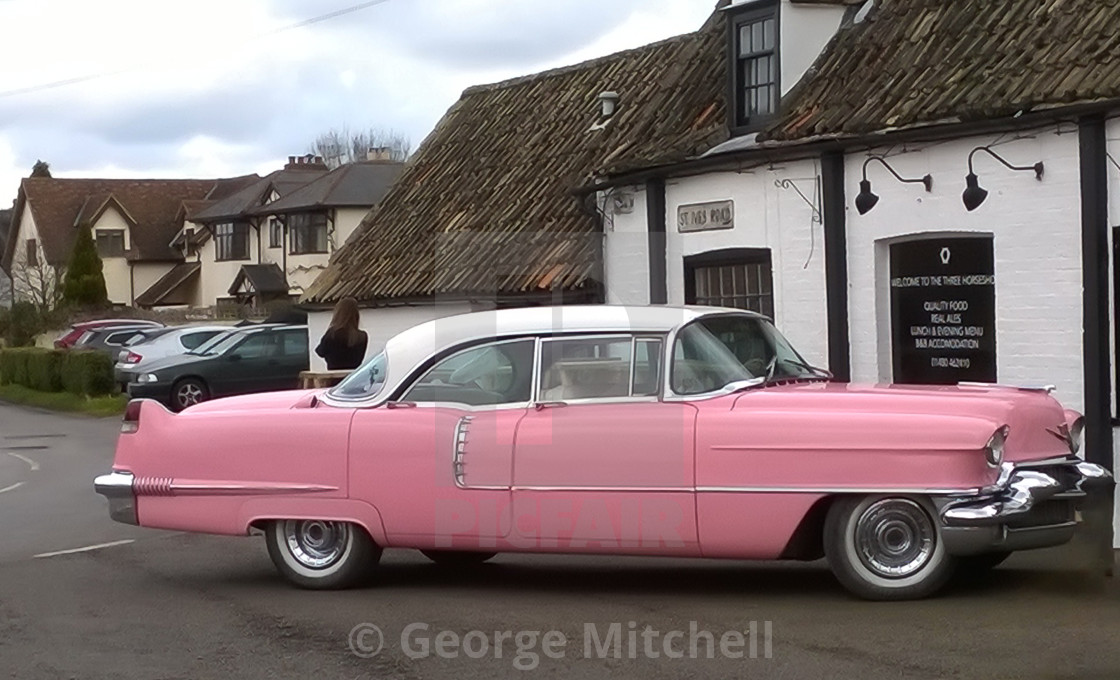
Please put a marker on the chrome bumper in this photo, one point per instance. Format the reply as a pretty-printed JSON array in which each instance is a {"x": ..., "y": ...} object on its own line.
[
  {"x": 117, "y": 487},
  {"x": 1032, "y": 505}
]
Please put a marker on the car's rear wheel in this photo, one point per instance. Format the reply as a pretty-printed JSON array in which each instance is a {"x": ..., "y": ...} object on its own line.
[
  {"x": 321, "y": 555},
  {"x": 457, "y": 558},
  {"x": 188, "y": 392},
  {"x": 886, "y": 547}
]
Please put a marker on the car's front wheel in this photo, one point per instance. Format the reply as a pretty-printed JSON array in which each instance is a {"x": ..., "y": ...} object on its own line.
[
  {"x": 886, "y": 547},
  {"x": 457, "y": 558},
  {"x": 188, "y": 392},
  {"x": 321, "y": 555}
]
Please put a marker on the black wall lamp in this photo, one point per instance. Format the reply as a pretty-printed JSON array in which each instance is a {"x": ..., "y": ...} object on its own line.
[
  {"x": 973, "y": 194},
  {"x": 866, "y": 200}
]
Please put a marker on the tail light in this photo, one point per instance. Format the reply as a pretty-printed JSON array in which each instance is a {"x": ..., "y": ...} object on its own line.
[
  {"x": 131, "y": 421},
  {"x": 133, "y": 358}
]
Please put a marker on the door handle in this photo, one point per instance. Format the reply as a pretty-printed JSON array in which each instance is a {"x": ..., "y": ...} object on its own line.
[
  {"x": 542, "y": 405},
  {"x": 399, "y": 404}
]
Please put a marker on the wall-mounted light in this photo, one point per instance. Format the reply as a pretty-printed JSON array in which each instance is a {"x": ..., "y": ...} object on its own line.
[
  {"x": 866, "y": 200},
  {"x": 974, "y": 194}
]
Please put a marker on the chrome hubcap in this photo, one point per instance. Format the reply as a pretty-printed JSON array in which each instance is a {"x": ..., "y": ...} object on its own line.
[
  {"x": 895, "y": 538},
  {"x": 316, "y": 544},
  {"x": 190, "y": 394}
]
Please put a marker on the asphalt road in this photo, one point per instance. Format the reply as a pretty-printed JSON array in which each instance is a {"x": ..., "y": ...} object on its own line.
[{"x": 165, "y": 605}]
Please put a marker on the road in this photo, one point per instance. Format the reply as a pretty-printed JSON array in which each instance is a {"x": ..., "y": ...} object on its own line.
[{"x": 166, "y": 605}]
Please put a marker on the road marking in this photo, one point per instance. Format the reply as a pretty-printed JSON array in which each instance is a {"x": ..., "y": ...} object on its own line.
[
  {"x": 88, "y": 548},
  {"x": 12, "y": 487},
  {"x": 34, "y": 466}
]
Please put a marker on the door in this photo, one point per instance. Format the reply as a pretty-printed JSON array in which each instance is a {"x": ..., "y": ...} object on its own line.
[
  {"x": 438, "y": 464},
  {"x": 601, "y": 462},
  {"x": 249, "y": 366}
]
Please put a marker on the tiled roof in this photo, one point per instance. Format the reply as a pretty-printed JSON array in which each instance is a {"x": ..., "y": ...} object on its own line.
[
  {"x": 170, "y": 288},
  {"x": 58, "y": 204},
  {"x": 264, "y": 278},
  {"x": 241, "y": 203},
  {"x": 923, "y": 62},
  {"x": 360, "y": 185},
  {"x": 486, "y": 204}
]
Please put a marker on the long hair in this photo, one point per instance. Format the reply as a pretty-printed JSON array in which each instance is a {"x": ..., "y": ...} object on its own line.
[{"x": 344, "y": 323}]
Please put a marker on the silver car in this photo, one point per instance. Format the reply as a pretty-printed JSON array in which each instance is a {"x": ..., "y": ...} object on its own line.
[{"x": 159, "y": 344}]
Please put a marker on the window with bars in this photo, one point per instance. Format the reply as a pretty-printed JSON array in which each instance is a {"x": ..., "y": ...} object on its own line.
[
  {"x": 275, "y": 233},
  {"x": 756, "y": 77},
  {"x": 740, "y": 278}
]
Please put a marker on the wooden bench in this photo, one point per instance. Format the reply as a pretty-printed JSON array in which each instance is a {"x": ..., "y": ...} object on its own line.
[{"x": 309, "y": 380}]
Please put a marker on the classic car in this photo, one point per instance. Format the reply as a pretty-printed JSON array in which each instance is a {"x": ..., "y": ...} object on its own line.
[
  {"x": 679, "y": 431},
  {"x": 241, "y": 361}
]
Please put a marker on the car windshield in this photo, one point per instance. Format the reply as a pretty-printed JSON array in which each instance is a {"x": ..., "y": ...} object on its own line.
[
  {"x": 217, "y": 344},
  {"x": 714, "y": 352},
  {"x": 366, "y": 381}
]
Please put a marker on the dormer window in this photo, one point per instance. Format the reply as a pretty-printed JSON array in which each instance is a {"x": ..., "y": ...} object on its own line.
[{"x": 755, "y": 79}]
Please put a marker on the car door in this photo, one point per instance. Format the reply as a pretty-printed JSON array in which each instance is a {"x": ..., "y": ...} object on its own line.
[
  {"x": 247, "y": 366},
  {"x": 292, "y": 359},
  {"x": 600, "y": 461},
  {"x": 438, "y": 463}
]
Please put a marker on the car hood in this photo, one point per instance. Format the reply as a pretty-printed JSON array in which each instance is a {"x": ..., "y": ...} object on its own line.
[{"x": 904, "y": 417}]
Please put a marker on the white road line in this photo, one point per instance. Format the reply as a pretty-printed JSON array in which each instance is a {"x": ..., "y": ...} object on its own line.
[
  {"x": 33, "y": 464},
  {"x": 12, "y": 487},
  {"x": 88, "y": 548}
]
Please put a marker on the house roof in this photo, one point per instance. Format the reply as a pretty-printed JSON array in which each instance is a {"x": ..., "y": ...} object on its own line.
[
  {"x": 170, "y": 289},
  {"x": 486, "y": 204},
  {"x": 355, "y": 185},
  {"x": 914, "y": 63},
  {"x": 59, "y": 205},
  {"x": 241, "y": 203},
  {"x": 264, "y": 278}
]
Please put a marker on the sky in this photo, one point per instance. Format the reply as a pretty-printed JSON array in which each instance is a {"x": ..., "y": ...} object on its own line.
[{"x": 220, "y": 88}]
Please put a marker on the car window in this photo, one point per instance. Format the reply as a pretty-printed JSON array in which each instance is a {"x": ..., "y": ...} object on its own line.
[
  {"x": 365, "y": 382},
  {"x": 218, "y": 344},
  {"x": 586, "y": 368},
  {"x": 714, "y": 352},
  {"x": 647, "y": 367},
  {"x": 195, "y": 340},
  {"x": 293, "y": 343},
  {"x": 120, "y": 338},
  {"x": 488, "y": 375},
  {"x": 256, "y": 346}
]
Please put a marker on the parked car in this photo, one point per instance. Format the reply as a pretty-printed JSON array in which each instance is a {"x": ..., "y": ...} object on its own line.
[
  {"x": 111, "y": 339},
  {"x": 693, "y": 432},
  {"x": 71, "y": 336},
  {"x": 256, "y": 359},
  {"x": 147, "y": 347}
]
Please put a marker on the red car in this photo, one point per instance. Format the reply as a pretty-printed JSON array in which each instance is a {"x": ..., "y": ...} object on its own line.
[{"x": 71, "y": 337}]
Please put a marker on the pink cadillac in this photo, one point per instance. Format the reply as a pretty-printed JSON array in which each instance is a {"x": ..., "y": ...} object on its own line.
[{"x": 694, "y": 432}]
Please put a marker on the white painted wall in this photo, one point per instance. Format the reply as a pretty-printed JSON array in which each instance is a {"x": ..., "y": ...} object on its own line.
[
  {"x": 626, "y": 249},
  {"x": 766, "y": 216},
  {"x": 380, "y": 324},
  {"x": 1037, "y": 232},
  {"x": 216, "y": 277},
  {"x": 145, "y": 274},
  {"x": 24, "y": 275},
  {"x": 115, "y": 269}
]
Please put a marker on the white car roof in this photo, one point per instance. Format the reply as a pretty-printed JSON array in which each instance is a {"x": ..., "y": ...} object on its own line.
[{"x": 410, "y": 348}]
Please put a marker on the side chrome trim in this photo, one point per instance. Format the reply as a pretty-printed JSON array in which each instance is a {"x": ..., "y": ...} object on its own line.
[
  {"x": 458, "y": 448},
  {"x": 610, "y": 489},
  {"x": 117, "y": 487},
  {"x": 830, "y": 489},
  {"x": 166, "y": 486}
]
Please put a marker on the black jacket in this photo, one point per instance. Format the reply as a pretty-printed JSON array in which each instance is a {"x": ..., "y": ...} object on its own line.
[{"x": 340, "y": 355}]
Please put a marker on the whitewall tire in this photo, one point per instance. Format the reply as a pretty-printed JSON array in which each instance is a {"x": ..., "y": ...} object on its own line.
[
  {"x": 321, "y": 555},
  {"x": 887, "y": 547}
]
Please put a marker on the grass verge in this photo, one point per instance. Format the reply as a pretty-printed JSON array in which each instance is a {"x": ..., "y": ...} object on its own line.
[{"x": 64, "y": 401}]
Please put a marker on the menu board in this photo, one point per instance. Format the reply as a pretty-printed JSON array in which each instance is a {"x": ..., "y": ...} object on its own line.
[{"x": 943, "y": 304}]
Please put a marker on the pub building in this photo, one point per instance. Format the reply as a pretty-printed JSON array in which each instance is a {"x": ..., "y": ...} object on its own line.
[{"x": 931, "y": 198}]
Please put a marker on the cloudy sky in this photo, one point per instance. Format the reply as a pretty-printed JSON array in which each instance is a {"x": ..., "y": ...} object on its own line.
[{"x": 209, "y": 88}]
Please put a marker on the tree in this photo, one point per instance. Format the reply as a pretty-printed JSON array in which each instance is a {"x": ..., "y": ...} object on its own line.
[
  {"x": 84, "y": 283},
  {"x": 41, "y": 169},
  {"x": 341, "y": 147}
]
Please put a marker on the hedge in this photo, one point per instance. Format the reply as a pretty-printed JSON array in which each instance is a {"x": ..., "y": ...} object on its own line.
[{"x": 83, "y": 372}]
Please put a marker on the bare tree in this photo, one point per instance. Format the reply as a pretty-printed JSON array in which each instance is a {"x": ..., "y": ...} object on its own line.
[
  {"x": 35, "y": 281},
  {"x": 339, "y": 147}
]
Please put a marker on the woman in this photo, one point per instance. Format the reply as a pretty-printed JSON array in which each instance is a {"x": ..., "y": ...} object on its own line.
[{"x": 344, "y": 344}]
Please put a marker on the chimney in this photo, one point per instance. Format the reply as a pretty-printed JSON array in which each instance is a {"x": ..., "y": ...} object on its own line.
[
  {"x": 379, "y": 153},
  {"x": 609, "y": 103}
]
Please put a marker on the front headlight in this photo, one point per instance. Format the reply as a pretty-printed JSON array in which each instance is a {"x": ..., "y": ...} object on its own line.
[
  {"x": 147, "y": 378},
  {"x": 993, "y": 450}
]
